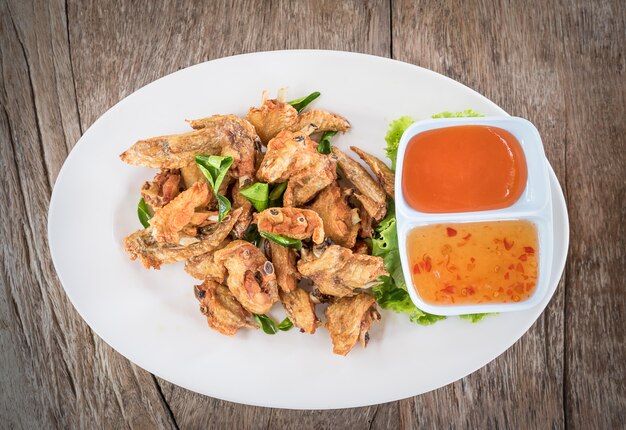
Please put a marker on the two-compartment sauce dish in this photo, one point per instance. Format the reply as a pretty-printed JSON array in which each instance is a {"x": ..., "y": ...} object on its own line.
[{"x": 474, "y": 215}]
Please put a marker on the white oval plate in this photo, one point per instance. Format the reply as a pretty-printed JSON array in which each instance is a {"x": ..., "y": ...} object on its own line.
[{"x": 152, "y": 317}]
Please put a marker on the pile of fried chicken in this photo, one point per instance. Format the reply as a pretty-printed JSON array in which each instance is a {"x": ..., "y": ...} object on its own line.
[{"x": 331, "y": 211}]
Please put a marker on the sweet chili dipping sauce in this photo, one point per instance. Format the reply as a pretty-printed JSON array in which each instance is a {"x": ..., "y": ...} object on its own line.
[
  {"x": 462, "y": 169},
  {"x": 472, "y": 263}
]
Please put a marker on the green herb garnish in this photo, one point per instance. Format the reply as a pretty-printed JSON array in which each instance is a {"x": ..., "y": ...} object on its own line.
[
  {"x": 144, "y": 212},
  {"x": 214, "y": 168},
  {"x": 276, "y": 195},
  {"x": 282, "y": 241},
  {"x": 285, "y": 325},
  {"x": 303, "y": 102},
  {"x": 324, "y": 146},
  {"x": 267, "y": 324},
  {"x": 257, "y": 194}
]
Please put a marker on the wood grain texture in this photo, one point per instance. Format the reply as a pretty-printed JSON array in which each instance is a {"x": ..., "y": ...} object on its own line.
[{"x": 558, "y": 63}]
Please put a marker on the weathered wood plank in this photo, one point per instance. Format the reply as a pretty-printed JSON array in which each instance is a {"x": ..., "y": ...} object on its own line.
[
  {"x": 560, "y": 64},
  {"x": 595, "y": 85},
  {"x": 514, "y": 58},
  {"x": 60, "y": 374}
]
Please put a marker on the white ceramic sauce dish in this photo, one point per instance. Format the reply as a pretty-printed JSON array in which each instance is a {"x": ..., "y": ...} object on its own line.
[{"x": 534, "y": 205}]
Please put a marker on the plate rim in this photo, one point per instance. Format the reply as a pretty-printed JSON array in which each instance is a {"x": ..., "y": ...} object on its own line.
[{"x": 63, "y": 171}]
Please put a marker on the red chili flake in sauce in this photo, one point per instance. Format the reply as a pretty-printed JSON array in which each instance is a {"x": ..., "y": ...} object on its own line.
[
  {"x": 472, "y": 259},
  {"x": 467, "y": 236},
  {"x": 416, "y": 269},
  {"x": 451, "y": 232},
  {"x": 519, "y": 268},
  {"x": 508, "y": 245},
  {"x": 529, "y": 250},
  {"x": 506, "y": 275},
  {"x": 523, "y": 257},
  {"x": 428, "y": 265},
  {"x": 471, "y": 291},
  {"x": 448, "y": 289}
]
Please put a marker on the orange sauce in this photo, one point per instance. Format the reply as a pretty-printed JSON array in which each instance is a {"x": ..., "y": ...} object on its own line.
[
  {"x": 472, "y": 263},
  {"x": 463, "y": 168}
]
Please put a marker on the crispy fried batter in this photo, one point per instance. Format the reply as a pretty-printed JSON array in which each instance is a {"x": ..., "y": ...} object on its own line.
[
  {"x": 204, "y": 266},
  {"x": 305, "y": 185},
  {"x": 291, "y": 222},
  {"x": 372, "y": 196},
  {"x": 366, "y": 229},
  {"x": 163, "y": 188},
  {"x": 294, "y": 157},
  {"x": 245, "y": 219},
  {"x": 271, "y": 118},
  {"x": 223, "y": 311},
  {"x": 274, "y": 116},
  {"x": 337, "y": 271},
  {"x": 169, "y": 220},
  {"x": 251, "y": 277},
  {"x": 385, "y": 176},
  {"x": 323, "y": 121},
  {"x": 191, "y": 174},
  {"x": 284, "y": 261},
  {"x": 341, "y": 222},
  {"x": 300, "y": 309},
  {"x": 287, "y": 154},
  {"x": 142, "y": 244},
  {"x": 361, "y": 247},
  {"x": 348, "y": 320},
  {"x": 218, "y": 134}
]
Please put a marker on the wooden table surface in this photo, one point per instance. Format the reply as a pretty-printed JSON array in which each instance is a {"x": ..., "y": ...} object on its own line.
[{"x": 561, "y": 64}]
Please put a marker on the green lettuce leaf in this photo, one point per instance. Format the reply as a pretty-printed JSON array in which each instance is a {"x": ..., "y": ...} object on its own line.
[
  {"x": 467, "y": 113},
  {"x": 475, "y": 317},
  {"x": 394, "y": 133}
]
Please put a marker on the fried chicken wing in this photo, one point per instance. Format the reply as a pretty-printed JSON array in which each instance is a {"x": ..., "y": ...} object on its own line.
[
  {"x": 341, "y": 222},
  {"x": 224, "y": 313},
  {"x": 218, "y": 134},
  {"x": 371, "y": 195},
  {"x": 142, "y": 244},
  {"x": 191, "y": 174},
  {"x": 163, "y": 188},
  {"x": 349, "y": 319},
  {"x": 323, "y": 121},
  {"x": 287, "y": 154},
  {"x": 291, "y": 222},
  {"x": 275, "y": 115},
  {"x": 241, "y": 144},
  {"x": 251, "y": 277},
  {"x": 284, "y": 261},
  {"x": 305, "y": 185},
  {"x": 300, "y": 309},
  {"x": 204, "y": 266},
  {"x": 272, "y": 117},
  {"x": 293, "y": 156},
  {"x": 386, "y": 178},
  {"x": 169, "y": 220},
  {"x": 337, "y": 271}
]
